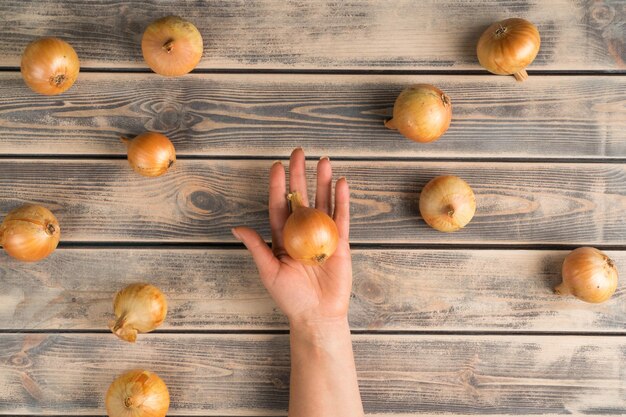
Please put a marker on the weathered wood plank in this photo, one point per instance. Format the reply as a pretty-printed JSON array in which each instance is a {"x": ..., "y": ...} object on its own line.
[
  {"x": 392, "y": 290},
  {"x": 341, "y": 115},
  {"x": 576, "y": 35},
  {"x": 249, "y": 374},
  {"x": 200, "y": 200}
]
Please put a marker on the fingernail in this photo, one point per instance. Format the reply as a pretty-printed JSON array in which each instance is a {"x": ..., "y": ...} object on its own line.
[
  {"x": 299, "y": 148},
  {"x": 342, "y": 178},
  {"x": 325, "y": 157},
  {"x": 277, "y": 162},
  {"x": 234, "y": 232}
]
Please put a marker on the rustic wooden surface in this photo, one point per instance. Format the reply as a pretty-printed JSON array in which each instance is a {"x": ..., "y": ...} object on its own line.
[
  {"x": 341, "y": 115},
  {"x": 200, "y": 201},
  {"x": 446, "y": 324},
  {"x": 370, "y": 34},
  {"x": 217, "y": 289}
]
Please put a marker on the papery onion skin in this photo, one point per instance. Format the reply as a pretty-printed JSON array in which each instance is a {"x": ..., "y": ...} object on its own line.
[
  {"x": 421, "y": 113},
  {"x": 172, "y": 46},
  {"x": 140, "y": 308},
  {"x": 310, "y": 235},
  {"x": 137, "y": 393},
  {"x": 49, "y": 66},
  {"x": 508, "y": 47},
  {"x": 150, "y": 154},
  {"x": 589, "y": 275},
  {"x": 30, "y": 233},
  {"x": 447, "y": 203}
]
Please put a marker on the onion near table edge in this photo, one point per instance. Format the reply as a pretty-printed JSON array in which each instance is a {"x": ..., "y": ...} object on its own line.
[
  {"x": 508, "y": 47},
  {"x": 49, "y": 66},
  {"x": 30, "y": 233},
  {"x": 172, "y": 46},
  {"x": 138, "y": 308},
  {"x": 150, "y": 154},
  {"x": 422, "y": 113},
  {"x": 589, "y": 275},
  {"x": 137, "y": 393},
  {"x": 447, "y": 203}
]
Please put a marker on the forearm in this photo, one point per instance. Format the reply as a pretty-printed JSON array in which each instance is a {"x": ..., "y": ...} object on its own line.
[{"x": 323, "y": 374}]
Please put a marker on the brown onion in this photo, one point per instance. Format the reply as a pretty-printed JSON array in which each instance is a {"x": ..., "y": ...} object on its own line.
[
  {"x": 589, "y": 275},
  {"x": 30, "y": 233},
  {"x": 137, "y": 393},
  {"x": 171, "y": 46},
  {"x": 138, "y": 308},
  {"x": 421, "y": 113},
  {"x": 447, "y": 203},
  {"x": 508, "y": 47},
  {"x": 150, "y": 154},
  {"x": 49, "y": 66},
  {"x": 310, "y": 235}
]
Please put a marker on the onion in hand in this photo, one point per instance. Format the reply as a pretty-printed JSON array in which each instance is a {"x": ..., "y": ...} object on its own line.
[
  {"x": 138, "y": 308},
  {"x": 49, "y": 66},
  {"x": 421, "y": 113},
  {"x": 589, "y": 275},
  {"x": 171, "y": 46},
  {"x": 447, "y": 203},
  {"x": 30, "y": 233},
  {"x": 150, "y": 154},
  {"x": 310, "y": 235},
  {"x": 508, "y": 47},
  {"x": 137, "y": 393}
]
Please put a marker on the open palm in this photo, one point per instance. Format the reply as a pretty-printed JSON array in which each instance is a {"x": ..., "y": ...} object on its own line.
[{"x": 304, "y": 292}]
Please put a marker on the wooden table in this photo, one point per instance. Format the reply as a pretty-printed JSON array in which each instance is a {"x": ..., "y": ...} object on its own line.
[{"x": 445, "y": 324}]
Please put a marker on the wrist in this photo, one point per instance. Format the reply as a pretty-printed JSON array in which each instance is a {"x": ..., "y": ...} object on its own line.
[{"x": 320, "y": 332}]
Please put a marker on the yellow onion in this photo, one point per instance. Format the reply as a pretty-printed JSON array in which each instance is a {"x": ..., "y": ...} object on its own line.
[
  {"x": 30, "y": 233},
  {"x": 150, "y": 154},
  {"x": 589, "y": 275},
  {"x": 447, "y": 203},
  {"x": 137, "y": 393},
  {"x": 310, "y": 235},
  {"x": 138, "y": 308},
  {"x": 49, "y": 66},
  {"x": 508, "y": 47},
  {"x": 421, "y": 113},
  {"x": 171, "y": 46}
]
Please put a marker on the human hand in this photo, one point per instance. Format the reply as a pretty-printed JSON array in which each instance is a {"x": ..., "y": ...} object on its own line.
[{"x": 304, "y": 293}]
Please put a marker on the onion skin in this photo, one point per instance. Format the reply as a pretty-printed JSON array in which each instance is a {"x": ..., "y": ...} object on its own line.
[
  {"x": 49, "y": 66},
  {"x": 171, "y": 46},
  {"x": 30, "y": 233},
  {"x": 138, "y": 308},
  {"x": 150, "y": 154},
  {"x": 508, "y": 47},
  {"x": 421, "y": 113},
  {"x": 137, "y": 393},
  {"x": 447, "y": 203},
  {"x": 310, "y": 235},
  {"x": 589, "y": 275}
]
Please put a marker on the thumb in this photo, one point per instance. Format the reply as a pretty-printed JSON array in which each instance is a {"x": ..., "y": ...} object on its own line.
[{"x": 265, "y": 261}]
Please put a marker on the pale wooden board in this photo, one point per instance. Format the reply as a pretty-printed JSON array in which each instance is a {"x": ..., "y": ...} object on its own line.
[
  {"x": 201, "y": 200},
  {"x": 320, "y": 34},
  {"x": 249, "y": 374},
  {"x": 339, "y": 115},
  {"x": 212, "y": 289}
]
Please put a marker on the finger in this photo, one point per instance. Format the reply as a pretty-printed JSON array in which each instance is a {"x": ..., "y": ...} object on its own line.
[
  {"x": 265, "y": 261},
  {"x": 279, "y": 209},
  {"x": 323, "y": 195},
  {"x": 342, "y": 208},
  {"x": 297, "y": 174}
]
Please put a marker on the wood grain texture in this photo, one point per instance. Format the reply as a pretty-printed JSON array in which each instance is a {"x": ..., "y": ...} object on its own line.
[
  {"x": 201, "y": 200},
  {"x": 211, "y": 289},
  {"x": 339, "y": 115},
  {"x": 249, "y": 374},
  {"x": 369, "y": 34}
]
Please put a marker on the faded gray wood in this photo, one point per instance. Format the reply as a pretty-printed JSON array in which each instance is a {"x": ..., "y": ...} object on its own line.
[
  {"x": 201, "y": 200},
  {"x": 339, "y": 115},
  {"x": 249, "y": 374},
  {"x": 576, "y": 35},
  {"x": 405, "y": 290}
]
